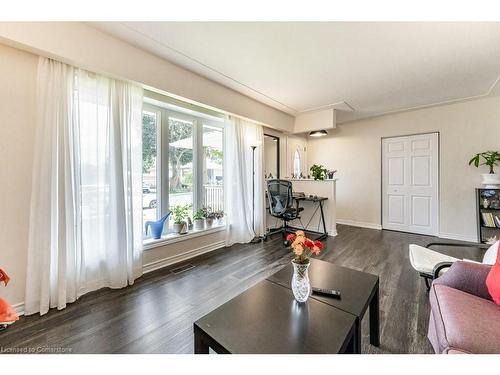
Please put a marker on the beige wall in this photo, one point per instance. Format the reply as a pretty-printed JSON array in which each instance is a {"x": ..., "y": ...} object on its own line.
[
  {"x": 17, "y": 132},
  {"x": 82, "y": 45},
  {"x": 354, "y": 149}
]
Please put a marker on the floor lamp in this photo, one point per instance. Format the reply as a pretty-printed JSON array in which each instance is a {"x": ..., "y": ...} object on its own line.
[{"x": 256, "y": 238}]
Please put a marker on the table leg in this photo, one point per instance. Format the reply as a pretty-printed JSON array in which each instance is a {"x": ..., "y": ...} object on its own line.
[
  {"x": 374, "y": 319},
  {"x": 350, "y": 348},
  {"x": 357, "y": 337},
  {"x": 325, "y": 233},
  {"x": 200, "y": 346}
]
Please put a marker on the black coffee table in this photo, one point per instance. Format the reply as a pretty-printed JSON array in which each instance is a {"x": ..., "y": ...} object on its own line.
[
  {"x": 266, "y": 319},
  {"x": 358, "y": 291}
]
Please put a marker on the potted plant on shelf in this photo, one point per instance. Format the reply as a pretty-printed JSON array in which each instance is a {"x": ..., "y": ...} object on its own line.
[
  {"x": 318, "y": 172},
  {"x": 180, "y": 214},
  {"x": 199, "y": 219},
  {"x": 302, "y": 248},
  {"x": 490, "y": 158}
]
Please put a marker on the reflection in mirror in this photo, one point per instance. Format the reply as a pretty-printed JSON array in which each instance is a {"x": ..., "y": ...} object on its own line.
[
  {"x": 272, "y": 156},
  {"x": 296, "y": 164}
]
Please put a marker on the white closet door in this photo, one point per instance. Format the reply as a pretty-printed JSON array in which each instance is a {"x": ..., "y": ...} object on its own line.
[{"x": 410, "y": 183}]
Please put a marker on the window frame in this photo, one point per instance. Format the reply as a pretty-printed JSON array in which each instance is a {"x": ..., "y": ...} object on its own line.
[
  {"x": 159, "y": 198},
  {"x": 162, "y": 163}
]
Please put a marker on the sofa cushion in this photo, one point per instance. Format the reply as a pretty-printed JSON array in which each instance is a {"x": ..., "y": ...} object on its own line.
[{"x": 463, "y": 322}]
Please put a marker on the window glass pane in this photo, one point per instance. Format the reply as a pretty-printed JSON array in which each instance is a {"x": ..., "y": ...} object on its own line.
[
  {"x": 212, "y": 167},
  {"x": 150, "y": 197},
  {"x": 180, "y": 160}
]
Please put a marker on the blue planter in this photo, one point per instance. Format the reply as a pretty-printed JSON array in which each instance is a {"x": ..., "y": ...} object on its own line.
[{"x": 156, "y": 227}]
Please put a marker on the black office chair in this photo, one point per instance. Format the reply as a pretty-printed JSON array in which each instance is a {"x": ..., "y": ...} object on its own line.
[{"x": 280, "y": 200}]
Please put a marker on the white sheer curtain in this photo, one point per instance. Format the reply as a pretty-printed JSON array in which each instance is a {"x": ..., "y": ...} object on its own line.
[
  {"x": 240, "y": 136},
  {"x": 86, "y": 204}
]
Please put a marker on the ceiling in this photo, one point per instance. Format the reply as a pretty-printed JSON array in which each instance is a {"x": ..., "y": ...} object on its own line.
[{"x": 375, "y": 68}]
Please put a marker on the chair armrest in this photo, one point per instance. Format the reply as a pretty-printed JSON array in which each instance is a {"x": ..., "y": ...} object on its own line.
[
  {"x": 467, "y": 277},
  {"x": 439, "y": 267},
  {"x": 475, "y": 245}
]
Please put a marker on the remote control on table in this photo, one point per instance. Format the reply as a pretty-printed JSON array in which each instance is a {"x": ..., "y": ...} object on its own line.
[{"x": 327, "y": 292}]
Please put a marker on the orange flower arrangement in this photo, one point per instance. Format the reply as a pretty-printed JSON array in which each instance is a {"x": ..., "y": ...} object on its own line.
[{"x": 303, "y": 247}]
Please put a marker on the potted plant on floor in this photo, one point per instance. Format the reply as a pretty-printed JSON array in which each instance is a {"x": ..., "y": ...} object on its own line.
[
  {"x": 199, "y": 219},
  {"x": 179, "y": 214},
  {"x": 490, "y": 158}
]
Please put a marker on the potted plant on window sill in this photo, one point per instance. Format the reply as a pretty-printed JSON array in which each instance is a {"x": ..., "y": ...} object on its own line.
[
  {"x": 209, "y": 216},
  {"x": 219, "y": 215},
  {"x": 180, "y": 213},
  {"x": 491, "y": 158},
  {"x": 199, "y": 219}
]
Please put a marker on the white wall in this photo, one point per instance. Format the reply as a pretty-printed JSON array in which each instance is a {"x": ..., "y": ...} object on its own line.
[
  {"x": 355, "y": 150},
  {"x": 17, "y": 133}
]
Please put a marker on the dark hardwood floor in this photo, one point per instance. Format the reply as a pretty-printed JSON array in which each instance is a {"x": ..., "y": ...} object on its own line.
[{"x": 156, "y": 314}]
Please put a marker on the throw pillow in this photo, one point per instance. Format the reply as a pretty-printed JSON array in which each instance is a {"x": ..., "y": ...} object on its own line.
[{"x": 493, "y": 281}]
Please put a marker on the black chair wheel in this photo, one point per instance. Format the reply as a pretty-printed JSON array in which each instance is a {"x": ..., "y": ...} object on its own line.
[{"x": 286, "y": 243}]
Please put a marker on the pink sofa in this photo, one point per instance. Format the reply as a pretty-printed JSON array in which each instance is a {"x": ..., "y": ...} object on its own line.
[{"x": 463, "y": 317}]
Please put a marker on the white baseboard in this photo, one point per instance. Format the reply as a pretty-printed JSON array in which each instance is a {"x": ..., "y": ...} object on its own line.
[
  {"x": 450, "y": 236},
  {"x": 157, "y": 264},
  {"x": 19, "y": 307},
  {"x": 360, "y": 224},
  {"x": 458, "y": 237},
  {"x": 332, "y": 232}
]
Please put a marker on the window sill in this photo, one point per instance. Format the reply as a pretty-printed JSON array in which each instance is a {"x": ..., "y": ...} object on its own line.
[{"x": 151, "y": 243}]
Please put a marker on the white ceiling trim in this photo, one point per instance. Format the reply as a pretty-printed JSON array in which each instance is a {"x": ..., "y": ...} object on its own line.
[
  {"x": 305, "y": 87},
  {"x": 452, "y": 101}
]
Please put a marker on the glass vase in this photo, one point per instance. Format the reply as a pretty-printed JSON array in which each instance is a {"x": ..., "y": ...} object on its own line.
[{"x": 301, "y": 286}]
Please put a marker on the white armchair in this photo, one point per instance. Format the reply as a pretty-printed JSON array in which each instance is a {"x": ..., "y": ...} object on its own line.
[{"x": 430, "y": 264}]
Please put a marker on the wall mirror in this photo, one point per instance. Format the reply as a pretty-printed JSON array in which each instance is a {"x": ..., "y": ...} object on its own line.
[{"x": 271, "y": 156}]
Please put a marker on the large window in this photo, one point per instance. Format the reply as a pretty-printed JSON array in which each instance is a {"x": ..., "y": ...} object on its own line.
[{"x": 182, "y": 161}]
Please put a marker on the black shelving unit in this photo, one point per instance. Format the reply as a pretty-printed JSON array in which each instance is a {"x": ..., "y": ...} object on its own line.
[{"x": 483, "y": 230}]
